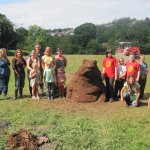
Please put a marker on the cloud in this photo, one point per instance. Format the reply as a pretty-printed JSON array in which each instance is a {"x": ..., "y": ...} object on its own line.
[{"x": 52, "y": 14}]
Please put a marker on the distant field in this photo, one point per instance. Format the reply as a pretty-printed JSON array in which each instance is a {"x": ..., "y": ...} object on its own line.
[{"x": 73, "y": 126}]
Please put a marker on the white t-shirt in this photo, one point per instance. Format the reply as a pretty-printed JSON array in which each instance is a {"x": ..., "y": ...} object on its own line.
[{"x": 121, "y": 69}]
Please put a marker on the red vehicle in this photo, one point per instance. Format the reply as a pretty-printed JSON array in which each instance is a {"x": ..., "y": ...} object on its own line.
[{"x": 133, "y": 49}]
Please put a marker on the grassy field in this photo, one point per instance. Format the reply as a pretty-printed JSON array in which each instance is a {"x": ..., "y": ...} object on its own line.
[{"x": 73, "y": 126}]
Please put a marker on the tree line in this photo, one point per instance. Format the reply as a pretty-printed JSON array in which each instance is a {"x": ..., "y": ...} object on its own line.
[{"x": 88, "y": 38}]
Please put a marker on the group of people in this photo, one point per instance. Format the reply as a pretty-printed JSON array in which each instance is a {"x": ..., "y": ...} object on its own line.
[
  {"x": 127, "y": 74},
  {"x": 42, "y": 70}
]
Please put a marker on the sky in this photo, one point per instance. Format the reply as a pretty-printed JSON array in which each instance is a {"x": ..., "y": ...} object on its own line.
[{"x": 54, "y": 14}]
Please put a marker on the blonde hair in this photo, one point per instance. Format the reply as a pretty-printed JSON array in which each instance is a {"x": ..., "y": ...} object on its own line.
[
  {"x": 47, "y": 49},
  {"x": 33, "y": 51},
  {"x": 36, "y": 46},
  {"x": 34, "y": 65},
  {"x": 1, "y": 50},
  {"x": 121, "y": 59},
  {"x": 142, "y": 56},
  {"x": 0, "y": 53}
]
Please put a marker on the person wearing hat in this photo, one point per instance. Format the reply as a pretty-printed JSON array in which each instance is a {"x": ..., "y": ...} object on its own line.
[{"x": 110, "y": 74}]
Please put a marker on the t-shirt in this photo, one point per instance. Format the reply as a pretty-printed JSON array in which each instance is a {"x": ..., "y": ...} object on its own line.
[
  {"x": 109, "y": 64},
  {"x": 47, "y": 60},
  {"x": 143, "y": 70},
  {"x": 31, "y": 61},
  {"x": 121, "y": 69},
  {"x": 132, "y": 68},
  {"x": 59, "y": 64},
  {"x": 135, "y": 87},
  {"x": 49, "y": 74},
  {"x": 19, "y": 65},
  {"x": 61, "y": 77}
]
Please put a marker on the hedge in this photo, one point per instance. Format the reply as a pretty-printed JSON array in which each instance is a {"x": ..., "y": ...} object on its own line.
[{"x": 12, "y": 52}]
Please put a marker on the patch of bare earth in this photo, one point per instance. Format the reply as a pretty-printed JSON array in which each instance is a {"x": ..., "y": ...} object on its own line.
[{"x": 24, "y": 140}]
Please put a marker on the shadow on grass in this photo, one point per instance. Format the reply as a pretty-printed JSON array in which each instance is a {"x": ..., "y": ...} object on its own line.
[
  {"x": 144, "y": 104},
  {"x": 6, "y": 98}
]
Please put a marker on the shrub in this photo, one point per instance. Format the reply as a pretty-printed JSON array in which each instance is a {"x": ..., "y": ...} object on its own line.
[{"x": 12, "y": 52}]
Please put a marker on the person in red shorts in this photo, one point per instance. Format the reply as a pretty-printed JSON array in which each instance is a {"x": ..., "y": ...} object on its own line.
[
  {"x": 110, "y": 74},
  {"x": 133, "y": 68}
]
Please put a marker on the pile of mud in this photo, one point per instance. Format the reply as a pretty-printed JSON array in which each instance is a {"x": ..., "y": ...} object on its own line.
[
  {"x": 24, "y": 140},
  {"x": 86, "y": 85}
]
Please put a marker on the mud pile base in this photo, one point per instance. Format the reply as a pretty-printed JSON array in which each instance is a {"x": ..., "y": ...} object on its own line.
[
  {"x": 86, "y": 85},
  {"x": 24, "y": 140}
]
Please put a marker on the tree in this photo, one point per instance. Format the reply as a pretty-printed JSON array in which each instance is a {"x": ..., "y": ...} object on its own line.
[
  {"x": 93, "y": 47},
  {"x": 83, "y": 34},
  {"x": 7, "y": 34},
  {"x": 22, "y": 35},
  {"x": 66, "y": 44},
  {"x": 36, "y": 35}
]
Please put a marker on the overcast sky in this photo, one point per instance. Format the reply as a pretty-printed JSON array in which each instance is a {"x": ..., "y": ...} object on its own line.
[{"x": 52, "y": 14}]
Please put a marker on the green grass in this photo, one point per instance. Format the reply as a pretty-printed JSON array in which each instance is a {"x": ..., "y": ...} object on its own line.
[{"x": 73, "y": 126}]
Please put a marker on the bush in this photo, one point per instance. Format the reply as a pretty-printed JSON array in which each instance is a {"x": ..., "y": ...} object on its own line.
[{"x": 12, "y": 52}]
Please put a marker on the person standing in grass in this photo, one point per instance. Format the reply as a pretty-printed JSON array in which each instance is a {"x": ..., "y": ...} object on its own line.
[
  {"x": 60, "y": 60},
  {"x": 121, "y": 72},
  {"x": 133, "y": 68},
  {"x": 50, "y": 80},
  {"x": 18, "y": 65},
  {"x": 39, "y": 54},
  {"x": 4, "y": 72},
  {"x": 143, "y": 75},
  {"x": 47, "y": 59},
  {"x": 61, "y": 78},
  {"x": 110, "y": 74},
  {"x": 125, "y": 55},
  {"x": 131, "y": 92},
  {"x": 30, "y": 60},
  {"x": 35, "y": 79}
]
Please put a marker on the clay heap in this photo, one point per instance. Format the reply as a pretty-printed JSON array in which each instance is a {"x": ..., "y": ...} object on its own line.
[
  {"x": 24, "y": 140},
  {"x": 86, "y": 85}
]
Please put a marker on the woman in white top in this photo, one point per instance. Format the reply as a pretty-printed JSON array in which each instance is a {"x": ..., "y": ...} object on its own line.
[{"x": 121, "y": 72}]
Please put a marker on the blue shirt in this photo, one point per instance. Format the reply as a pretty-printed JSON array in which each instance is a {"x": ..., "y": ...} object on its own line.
[{"x": 49, "y": 74}]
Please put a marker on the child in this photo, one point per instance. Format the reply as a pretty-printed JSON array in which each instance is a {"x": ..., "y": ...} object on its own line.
[
  {"x": 61, "y": 78},
  {"x": 143, "y": 75},
  {"x": 121, "y": 72},
  {"x": 50, "y": 79},
  {"x": 35, "y": 78}
]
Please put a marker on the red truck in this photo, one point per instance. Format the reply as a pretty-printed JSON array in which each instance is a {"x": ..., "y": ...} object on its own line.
[{"x": 133, "y": 49}]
